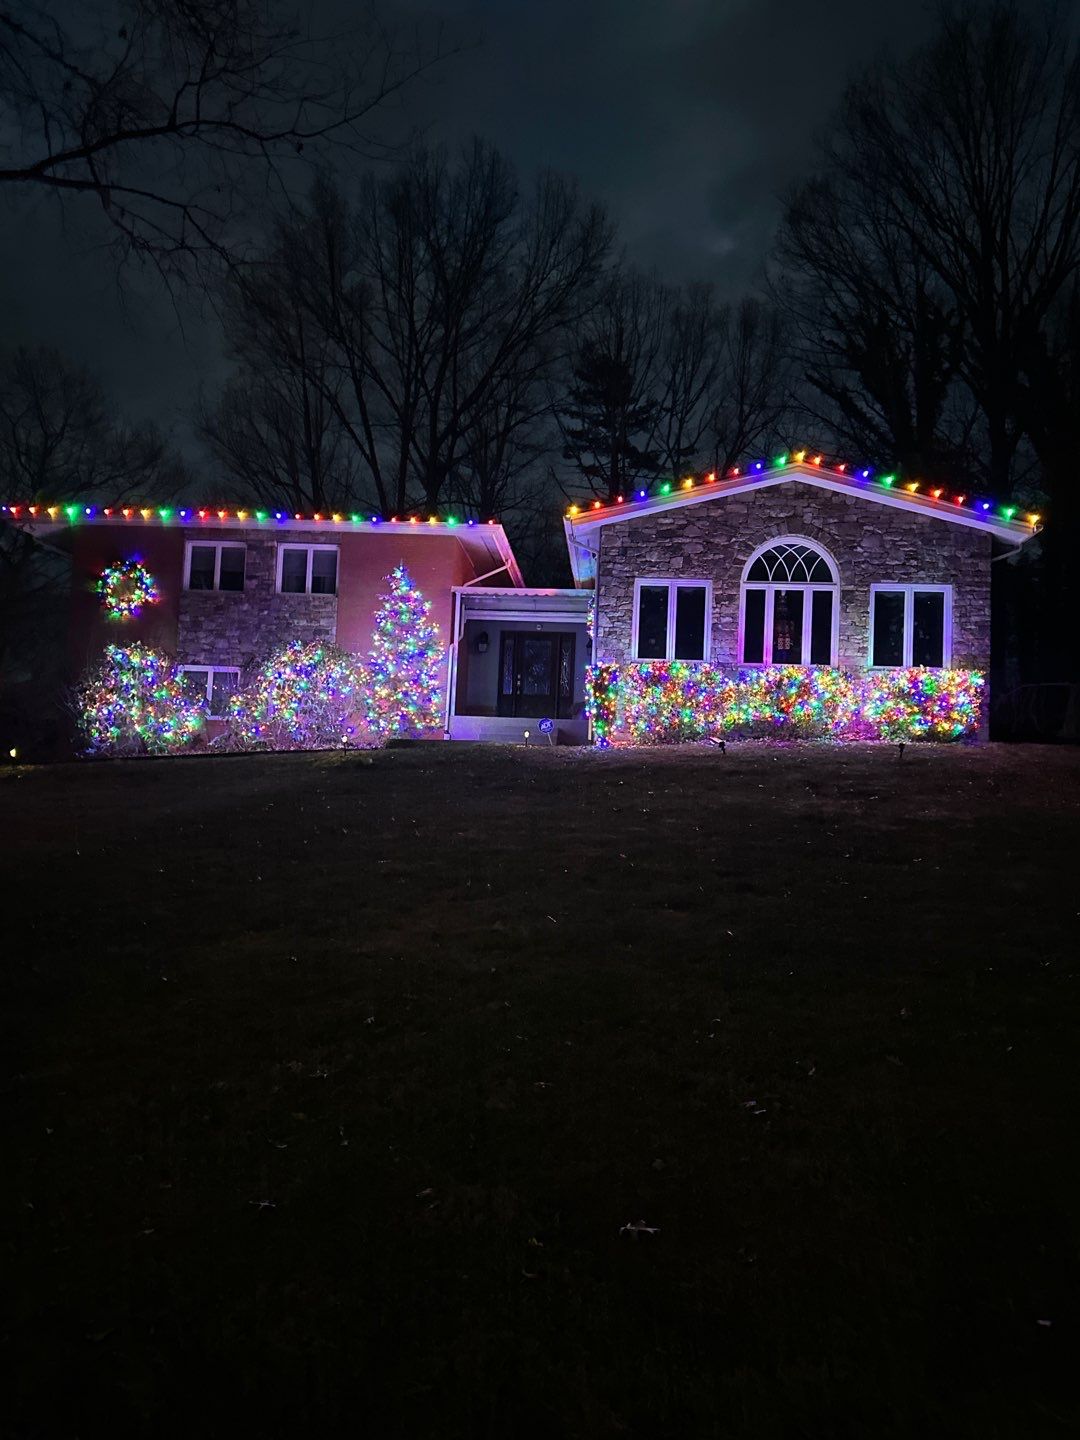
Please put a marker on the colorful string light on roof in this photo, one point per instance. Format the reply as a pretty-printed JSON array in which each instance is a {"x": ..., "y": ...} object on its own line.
[
  {"x": 76, "y": 514},
  {"x": 660, "y": 702},
  {"x": 864, "y": 477},
  {"x": 125, "y": 587}
]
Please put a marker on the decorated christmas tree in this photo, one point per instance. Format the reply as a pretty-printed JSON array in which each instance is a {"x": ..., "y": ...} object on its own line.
[
  {"x": 402, "y": 694},
  {"x": 134, "y": 703},
  {"x": 305, "y": 697}
]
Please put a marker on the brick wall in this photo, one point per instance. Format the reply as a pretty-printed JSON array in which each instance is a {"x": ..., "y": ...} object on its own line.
[
  {"x": 219, "y": 627},
  {"x": 870, "y": 543}
]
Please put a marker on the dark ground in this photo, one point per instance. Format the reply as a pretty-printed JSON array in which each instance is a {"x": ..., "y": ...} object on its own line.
[{"x": 330, "y": 1081}]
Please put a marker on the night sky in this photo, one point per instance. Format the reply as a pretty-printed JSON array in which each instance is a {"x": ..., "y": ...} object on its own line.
[{"x": 687, "y": 118}]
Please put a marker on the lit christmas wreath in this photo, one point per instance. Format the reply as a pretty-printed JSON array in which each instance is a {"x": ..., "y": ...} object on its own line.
[{"x": 125, "y": 588}]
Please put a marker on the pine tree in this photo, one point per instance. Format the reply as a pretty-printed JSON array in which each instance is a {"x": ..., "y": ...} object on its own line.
[
  {"x": 403, "y": 671},
  {"x": 608, "y": 423}
]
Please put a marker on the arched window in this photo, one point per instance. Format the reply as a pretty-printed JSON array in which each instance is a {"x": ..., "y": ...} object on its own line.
[{"x": 789, "y": 605}]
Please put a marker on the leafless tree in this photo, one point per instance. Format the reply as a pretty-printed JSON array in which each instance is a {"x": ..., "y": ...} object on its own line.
[
  {"x": 169, "y": 113},
  {"x": 60, "y": 439},
  {"x": 275, "y": 431},
  {"x": 435, "y": 304},
  {"x": 687, "y": 371},
  {"x": 750, "y": 397},
  {"x": 932, "y": 250},
  {"x": 664, "y": 381}
]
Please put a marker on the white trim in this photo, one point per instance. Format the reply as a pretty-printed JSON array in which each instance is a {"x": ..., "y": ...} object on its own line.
[
  {"x": 805, "y": 540},
  {"x": 284, "y": 545},
  {"x": 770, "y": 588},
  {"x": 190, "y": 546},
  {"x": 560, "y": 617},
  {"x": 909, "y": 591},
  {"x": 211, "y": 671},
  {"x": 808, "y": 588},
  {"x": 674, "y": 585}
]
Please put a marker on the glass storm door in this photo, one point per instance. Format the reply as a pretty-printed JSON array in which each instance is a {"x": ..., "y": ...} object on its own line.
[{"x": 536, "y": 674}]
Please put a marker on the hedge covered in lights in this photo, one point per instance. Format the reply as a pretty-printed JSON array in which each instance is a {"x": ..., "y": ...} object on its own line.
[
  {"x": 305, "y": 697},
  {"x": 134, "y": 703},
  {"x": 662, "y": 702}
]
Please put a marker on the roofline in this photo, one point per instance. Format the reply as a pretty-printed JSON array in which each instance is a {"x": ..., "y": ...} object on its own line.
[
  {"x": 840, "y": 482},
  {"x": 190, "y": 520},
  {"x": 564, "y": 593}
]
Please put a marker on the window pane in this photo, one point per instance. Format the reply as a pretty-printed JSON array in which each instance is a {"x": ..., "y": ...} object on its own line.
[
  {"x": 294, "y": 570},
  {"x": 821, "y": 627},
  {"x": 224, "y": 684},
  {"x": 232, "y": 568},
  {"x": 888, "y": 627},
  {"x": 194, "y": 683},
  {"x": 928, "y": 640},
  {"x": 754, "y": 633},
  {"x": 537, "y": 665},
  {"x": 787, "y": 627},
  {"x": 652, "y": 622},
  {"x": 566, "y": 670},
  {"x": 201, "y": 574},
  {"x": 690, "y": 622},
  {"x": 324, "y": 572}
]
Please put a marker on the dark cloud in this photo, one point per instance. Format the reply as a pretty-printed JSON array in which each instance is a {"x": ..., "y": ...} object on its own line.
[{"x": 687, "y": 118}]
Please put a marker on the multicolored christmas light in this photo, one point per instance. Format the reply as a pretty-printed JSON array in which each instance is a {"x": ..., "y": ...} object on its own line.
[
  {"x": 135, "y": 704},
  {"x": 857, "y": 475},
  {"x": 403, "y": 672},
  {"x": 306, "y": 697},
  {"x": 125, "y": 587},
  {"x": 78, "y": 513},
  {"x": 658, "y": 702}
]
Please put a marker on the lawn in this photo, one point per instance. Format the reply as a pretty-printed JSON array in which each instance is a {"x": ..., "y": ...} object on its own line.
[{"x": 333, "y": 1080}]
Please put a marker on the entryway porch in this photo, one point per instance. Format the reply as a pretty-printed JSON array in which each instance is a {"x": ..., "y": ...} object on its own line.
[{"x": 518, "y": 658}]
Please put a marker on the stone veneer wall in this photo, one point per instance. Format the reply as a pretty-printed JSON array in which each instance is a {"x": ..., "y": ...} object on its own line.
[
  {"x": 870, "y": 542},
  {"x": 219, "y": 627}
]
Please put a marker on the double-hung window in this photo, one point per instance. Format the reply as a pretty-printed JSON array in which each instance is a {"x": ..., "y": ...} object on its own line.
[
  {"x": 216, "y": 684},
  {"x": 789, "y": 606},
  {"x": 307, "y": 569},
  {"x": 671, "y": 619},
  {"x": 211, "y": 565},
  {"x": 910, "y": 625}
]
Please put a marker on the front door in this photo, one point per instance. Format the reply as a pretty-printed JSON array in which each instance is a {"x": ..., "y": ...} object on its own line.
[{"x": 536, "y": 674}]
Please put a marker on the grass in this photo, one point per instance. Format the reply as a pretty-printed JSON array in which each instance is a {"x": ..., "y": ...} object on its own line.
[{"x": 332, "y": 1080}]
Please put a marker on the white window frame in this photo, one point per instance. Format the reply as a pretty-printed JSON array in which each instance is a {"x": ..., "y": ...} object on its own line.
[
  {"x": 770, "y": 587},
  {"x": 909, "y": 592},
  {"x": 217, "y": 546},
  {"x": 290, "y": 545},
  {"x": 673, "y": 586},
  {"x": 211, "y": 671}
]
